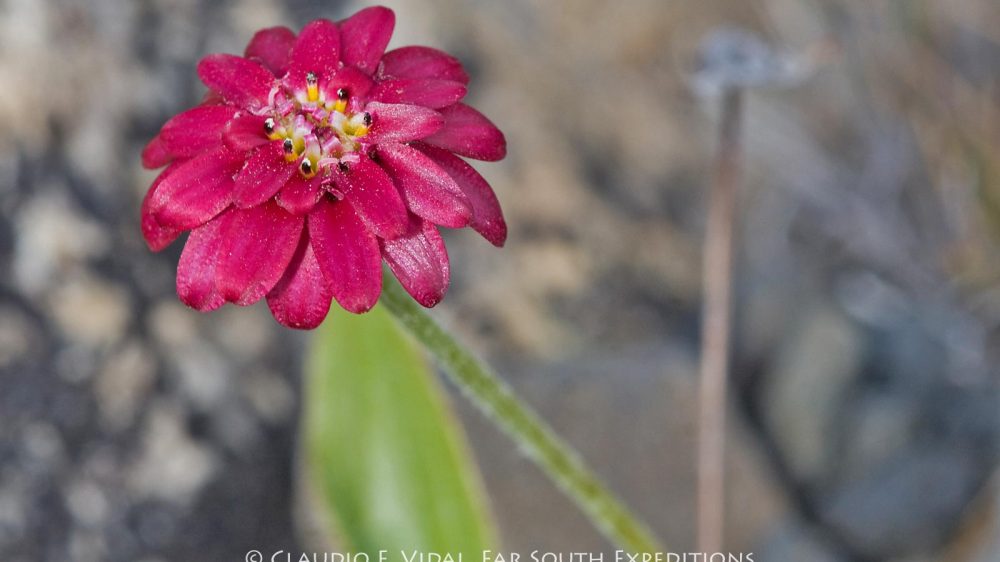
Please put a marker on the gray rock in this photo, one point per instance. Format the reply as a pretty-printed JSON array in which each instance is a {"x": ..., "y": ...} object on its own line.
[{"x": 908, "y": 505}]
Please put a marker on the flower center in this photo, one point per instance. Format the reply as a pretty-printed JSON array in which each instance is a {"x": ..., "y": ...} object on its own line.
[{"x": 316, "y": 131}]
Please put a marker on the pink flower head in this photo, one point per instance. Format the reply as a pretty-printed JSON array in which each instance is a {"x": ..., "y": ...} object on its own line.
[{"x": 313, "y": 158}]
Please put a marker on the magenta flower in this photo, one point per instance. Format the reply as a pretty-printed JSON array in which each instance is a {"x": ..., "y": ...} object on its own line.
[{"x": 312, "y": 159}]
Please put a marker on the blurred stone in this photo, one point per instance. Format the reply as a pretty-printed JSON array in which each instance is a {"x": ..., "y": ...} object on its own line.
[
  {"x": 87, "y": 546},
  {"x": 12, "y": 511},
  {"x": 978, "y": 535},
  {"x": 813, "y": 370},
  {"x": 172, "y": 467},
  {"x": 51, "y": 239},
  {"x": 203, "y": 375},
  {"x": 43, "y": 445},
  {"x": 269, "y": 394},
  {"x": 793, "y": 541},
  {"x": 905, "y": 506},
  {"x": 123, "y": 384},
  {"x": 16, "y": 336},
  {"x": 245, "y": 331},
  {"x": 173, "y": 324},
  {"x": 877, "y": 429},
  {"x": 91, "y": 310},
  {"x": 236, "y": 428},
  {"x": 87, "y": 503}
]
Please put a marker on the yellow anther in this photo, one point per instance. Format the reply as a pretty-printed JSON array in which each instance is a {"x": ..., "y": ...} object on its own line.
[
  {"x": 272, "y": 129},
  {"x": 312, "y": 87},
  {"x": 293, "y": 147},
  {"x": 357, "y": 125},
  {"x": 340, "y": 106}
]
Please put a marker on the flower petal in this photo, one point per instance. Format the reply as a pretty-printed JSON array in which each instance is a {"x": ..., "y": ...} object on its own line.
[
  {"x": 487, "y": 217},
  {"x": 428, "y": 190},
  {"x": 300, "y": 195},
  {"x": 155, "y": 155},
  {"x": 156, "y": 235},
  {"x": 469, "y": 133},
  {"x": 245, "y": 131},
  {"x": 197, "y": 190},
  {"x": 365, "y": 36},
  {"x": 196, "y": 269},
  {"x": 265, "y": 173},
  {"x": 422, "y": 62},
  {"x": 348, "y": 255},
  {"x": 427, "y": 92},
  {"x": 396, "y": 122},
  {"x": 317, "y": 50},
  {"x": 375, "y": 198},
  {"x": 272, "y": 47},
  {"x": 196, "y": 130},
  {"x": 240, "y": 81},
  {"x": 357, "y": 84},
  {"x": 256, "y": 249},
  {"x": 420, "y": 261},
  {"x": 301, "y": 299}
]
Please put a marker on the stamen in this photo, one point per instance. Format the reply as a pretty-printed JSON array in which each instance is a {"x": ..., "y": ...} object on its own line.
[
  {"x": 312, "y": 86},
  {"x": 315, "y": 128},
  {"x": 340, "y": 105}
]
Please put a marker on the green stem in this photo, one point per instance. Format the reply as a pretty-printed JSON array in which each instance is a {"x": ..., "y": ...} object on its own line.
[{"x": 496, "y": 400}]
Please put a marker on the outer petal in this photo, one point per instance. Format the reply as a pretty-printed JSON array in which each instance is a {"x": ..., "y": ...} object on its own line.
[
  {"x": 469, "y": 133},
  {"x": 197, "y": 190},
  {"x": 420, "y": 262},
  {"x": 156, "y": 235},
  {"x": 422, "y": 62},
  {"x": 155, "y": 155},
  {"x": 265, "y": 173},
  {"x": 317, "y": 50},
  {"x": 365, "y": 35},
  {"x": 212, "y": 97},
  {"x": 302, "y": 298},
  {"x": 240, "y": 81},
  {"x": 256, "y": 249},
  {"x": 348, "y": 255},
  {"x": 300, "y": 195},
  {"x": 487, "y": 217},
  {"x": 196, "y": 130},
  {"x": 396, "y": 122},
  {"x": 245, "y": 131},
  {"x": 196, "y": 269},
  {"x": 375, "y": 199},
  {"x": 427, "y": 92},
  {"x": 427, "y": 189},
  {"x": 273, "y": 48}
]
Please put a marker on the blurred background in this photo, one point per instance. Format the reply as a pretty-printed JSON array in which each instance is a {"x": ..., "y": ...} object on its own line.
[{"x": 865, "y": 417}]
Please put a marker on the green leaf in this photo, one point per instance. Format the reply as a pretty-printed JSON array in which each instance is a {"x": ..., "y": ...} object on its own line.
[{"x": 386, "y": 456}]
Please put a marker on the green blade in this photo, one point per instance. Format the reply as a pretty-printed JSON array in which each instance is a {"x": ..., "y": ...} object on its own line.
[{"x": 385, "y": 453}]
